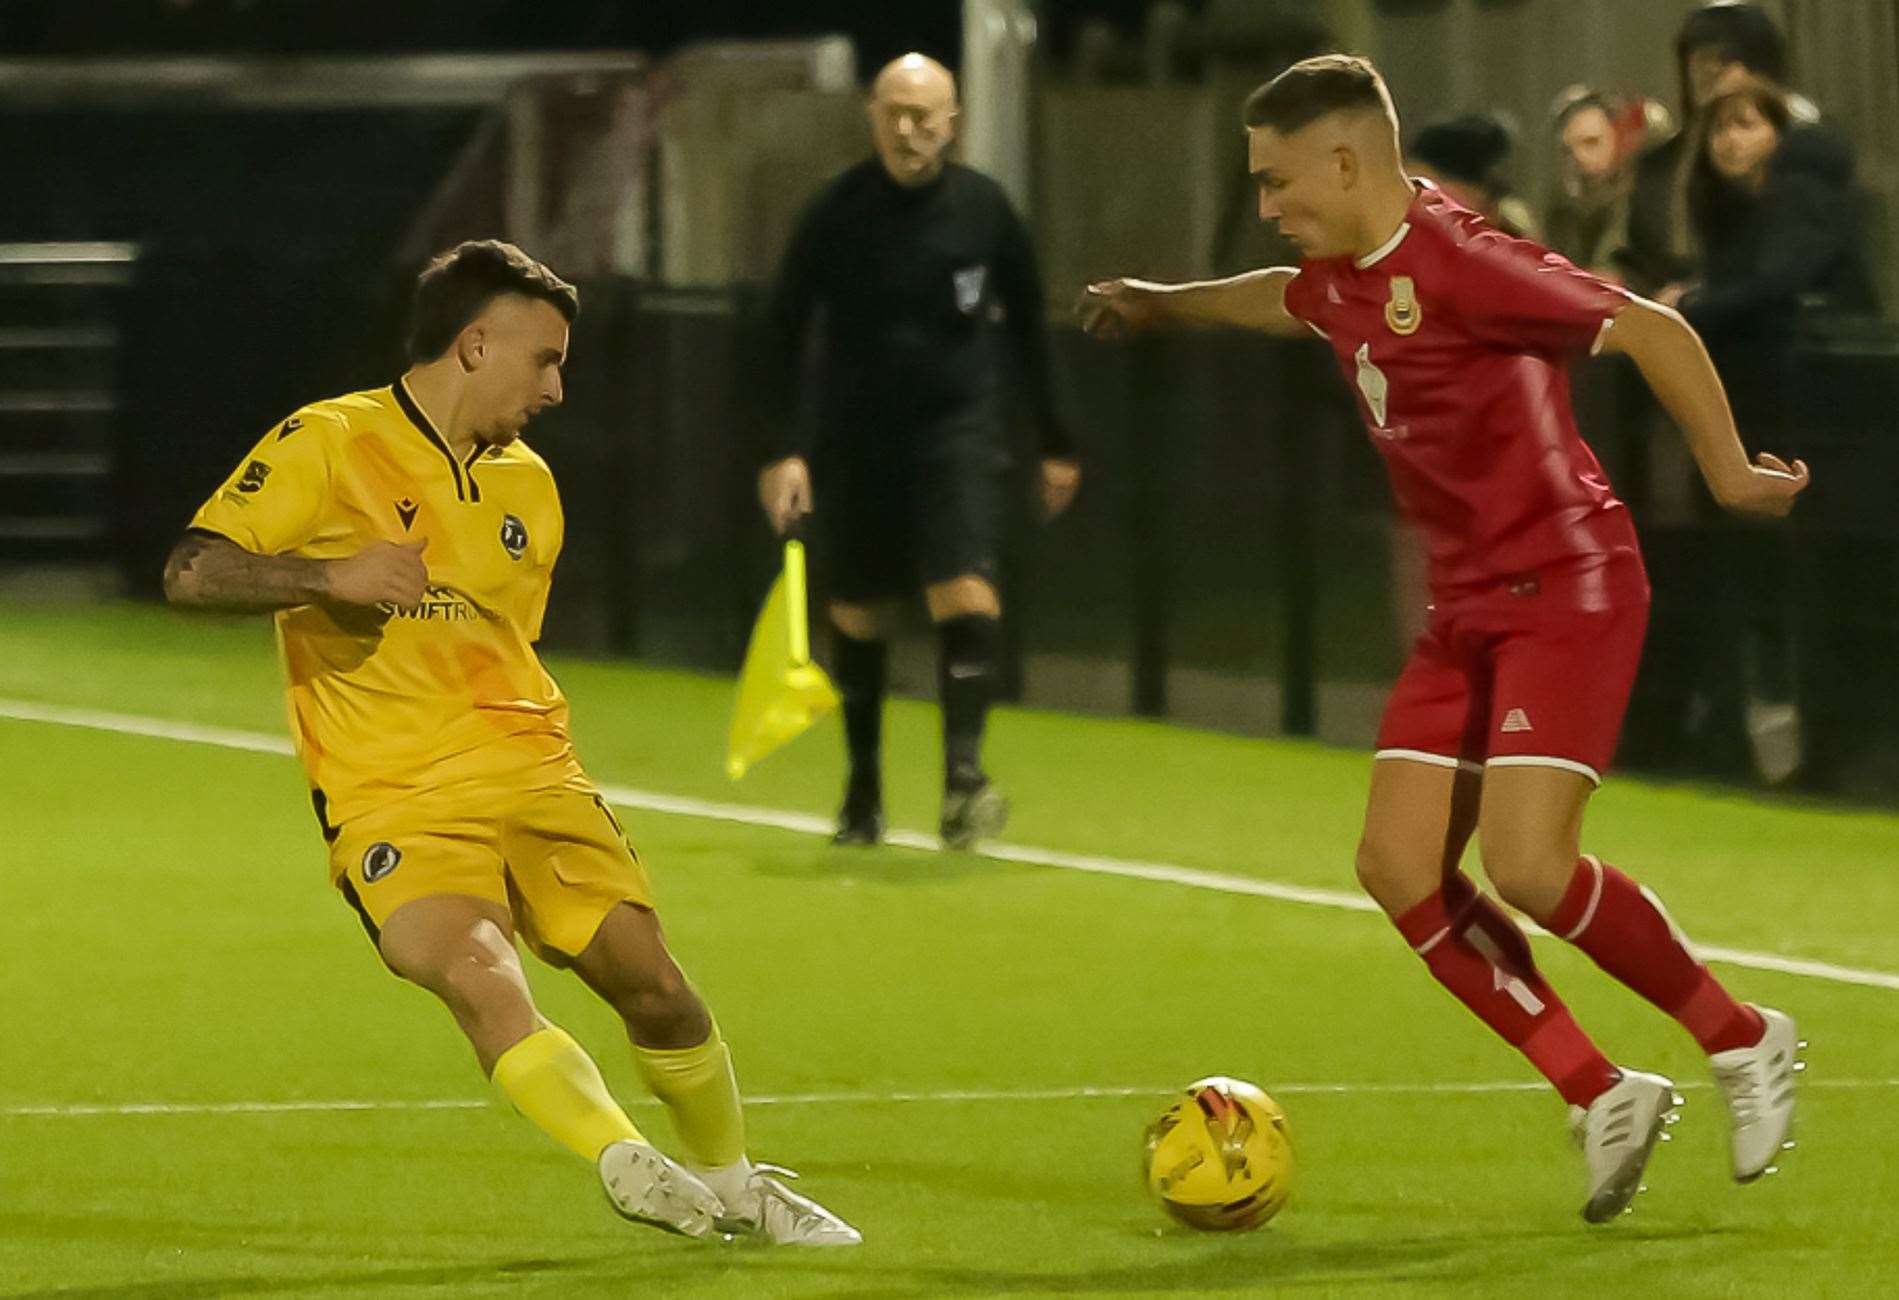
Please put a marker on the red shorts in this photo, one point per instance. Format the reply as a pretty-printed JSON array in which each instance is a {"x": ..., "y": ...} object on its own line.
[{"x": 1508, "y": 681}]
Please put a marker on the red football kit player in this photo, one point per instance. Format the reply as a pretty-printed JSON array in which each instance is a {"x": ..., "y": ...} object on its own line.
[
  {"x": 1456, "y": 340},
  {"x": 1536, "y": 581}
]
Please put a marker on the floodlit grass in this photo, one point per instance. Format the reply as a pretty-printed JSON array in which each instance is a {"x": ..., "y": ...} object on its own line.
[{"x": 170, "y": 938}]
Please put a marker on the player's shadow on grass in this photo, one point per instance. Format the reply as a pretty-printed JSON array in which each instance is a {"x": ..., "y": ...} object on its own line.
[
  {"x": 1189, "y": 1263},
  {"x": 368, "y": 1282},
  {"x": 1218, "y": 1266},
  {"x": 884, "y": 865}
]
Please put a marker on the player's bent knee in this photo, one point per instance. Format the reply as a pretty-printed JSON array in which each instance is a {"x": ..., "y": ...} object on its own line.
[
  {"x": 962, "y": 597},
  {"x": 665, "y": 1014},
  {"x": 1396, "y": 881},
  {"x": 1531, "y": 879},
  {"x": 860, "y": 622},
  {"x": 481, "y": 991}
]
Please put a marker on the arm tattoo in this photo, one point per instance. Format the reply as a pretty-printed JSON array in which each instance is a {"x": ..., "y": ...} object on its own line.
[{"x": 213, "y": 572}]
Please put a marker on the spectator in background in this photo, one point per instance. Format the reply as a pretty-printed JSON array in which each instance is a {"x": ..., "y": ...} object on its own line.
[
  {"x": 1599, "y": 135},
  {"x": 1468, "y": 156},
  {"x": 1716, "y": 42},
  {"x": 1693, "y": 704},
  {"x": 1778, "y": 234},
  {"x": 1777, "y": 228}
]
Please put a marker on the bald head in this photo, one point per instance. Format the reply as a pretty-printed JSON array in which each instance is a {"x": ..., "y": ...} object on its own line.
[
  {"x": 915, "y": 76},
  {"x": 913, "y": 114}
]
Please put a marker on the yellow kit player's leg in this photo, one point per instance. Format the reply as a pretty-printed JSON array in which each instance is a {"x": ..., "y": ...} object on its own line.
[
  {"x": 584, "y": 902},
  {"x": 430, "y": 885},
  {"x": 556, "y": 1085},
  {"x": 699, "y": 1088}
]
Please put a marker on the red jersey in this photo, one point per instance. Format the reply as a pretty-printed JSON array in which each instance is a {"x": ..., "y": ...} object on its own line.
[{"x": 1457, "y": 340}]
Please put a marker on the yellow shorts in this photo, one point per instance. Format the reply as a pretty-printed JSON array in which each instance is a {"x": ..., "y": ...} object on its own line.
[{"x": 556, "y": 858}]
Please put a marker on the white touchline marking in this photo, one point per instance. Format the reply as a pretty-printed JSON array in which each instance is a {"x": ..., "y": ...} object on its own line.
[
  {"x": 807, "y": 824},
  {"x": 157, "y": 728},
  {"x": 86, "y": 1110}
]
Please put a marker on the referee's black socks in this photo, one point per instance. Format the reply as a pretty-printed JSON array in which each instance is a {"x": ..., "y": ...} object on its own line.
[
  {"x": 860, "y": 681},
  {"x": 965, "y": 678}
]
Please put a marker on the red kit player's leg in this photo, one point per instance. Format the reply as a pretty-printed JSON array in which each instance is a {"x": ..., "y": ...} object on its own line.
[
  {"x": 1407, "y": 861},
  {"x": 1559, "y": 695},
  {"x": 1625, "y": 930}
]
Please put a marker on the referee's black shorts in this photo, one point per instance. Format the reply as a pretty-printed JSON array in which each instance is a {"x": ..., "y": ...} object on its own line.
[{"x": 886, "y": 526}]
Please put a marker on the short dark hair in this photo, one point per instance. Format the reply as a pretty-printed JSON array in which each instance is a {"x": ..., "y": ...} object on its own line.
[
  {"x": 1313, "y": 88},
  {"x": 454, "y": 288},
  {"x": 1741, "y": 31}
]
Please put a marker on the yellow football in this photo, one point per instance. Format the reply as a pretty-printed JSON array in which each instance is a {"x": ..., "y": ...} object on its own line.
[{"x": 1220, "y": 1158}]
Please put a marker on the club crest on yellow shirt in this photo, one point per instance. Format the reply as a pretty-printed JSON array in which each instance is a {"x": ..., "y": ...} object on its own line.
[
  {"x": 1402, "y": 313},
  {"x": 514, "y": 538}
]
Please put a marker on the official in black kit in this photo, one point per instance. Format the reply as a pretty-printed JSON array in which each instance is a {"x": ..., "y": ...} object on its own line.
[{"x": 924, "y": 282}]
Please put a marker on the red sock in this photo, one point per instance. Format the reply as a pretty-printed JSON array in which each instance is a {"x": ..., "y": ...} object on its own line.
[
  {"x": 1625, "y": 931},
  {"x": 1478, "y": 953}
]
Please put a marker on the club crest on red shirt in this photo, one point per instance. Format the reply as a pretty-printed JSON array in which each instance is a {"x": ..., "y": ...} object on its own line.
[{"x": 1402, "y": 313}]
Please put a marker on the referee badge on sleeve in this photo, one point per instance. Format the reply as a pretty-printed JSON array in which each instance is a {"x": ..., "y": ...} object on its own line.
[
  {"x": 969, "y": 284},
  {"x": 1402, "y": 313}
]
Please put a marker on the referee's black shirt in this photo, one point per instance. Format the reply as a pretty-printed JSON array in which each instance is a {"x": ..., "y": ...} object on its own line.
[{"x": 929, "y": 300}]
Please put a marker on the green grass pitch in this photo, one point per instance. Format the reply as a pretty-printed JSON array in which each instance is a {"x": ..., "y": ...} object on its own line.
[{"x": 923, "y": 1031}]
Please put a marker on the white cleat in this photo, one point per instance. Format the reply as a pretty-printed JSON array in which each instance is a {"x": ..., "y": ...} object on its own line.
[
  {"x": 769, "y": 1212},
  {"x": 1758, "y": 1082},
  {"x": 646, "y": 1187},
  {"x": 1616, "y": 1133}
]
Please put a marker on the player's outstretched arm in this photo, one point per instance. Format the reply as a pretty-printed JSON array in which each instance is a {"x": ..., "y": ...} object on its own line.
[
  {"x": 206, "y": 571},
  {"x": 1256, "y": 300},
  {"x": 1671, "y": 357}
]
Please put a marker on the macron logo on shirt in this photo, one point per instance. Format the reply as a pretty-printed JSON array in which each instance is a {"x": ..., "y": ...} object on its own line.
[{"x": 1516, "y": 720}]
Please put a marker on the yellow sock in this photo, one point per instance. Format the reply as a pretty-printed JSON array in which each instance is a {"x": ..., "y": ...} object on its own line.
[
  {"x": 699, "y": 1088},
  {"x": 551, "y": 1080}
]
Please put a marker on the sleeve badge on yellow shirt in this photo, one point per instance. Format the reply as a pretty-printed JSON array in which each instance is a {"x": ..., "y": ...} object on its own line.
[
  {"x": 1402, "y": 313},
  {"x": 379, "y": 860}
]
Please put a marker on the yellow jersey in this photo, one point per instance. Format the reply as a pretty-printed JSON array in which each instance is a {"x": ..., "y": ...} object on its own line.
[{"x": 385, "y": 703}]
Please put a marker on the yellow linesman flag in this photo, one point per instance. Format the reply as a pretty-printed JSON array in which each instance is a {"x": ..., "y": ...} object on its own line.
[{"x": 780, "y": 691}]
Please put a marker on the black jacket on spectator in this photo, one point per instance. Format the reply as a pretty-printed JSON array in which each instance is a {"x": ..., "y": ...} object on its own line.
[
  {"x": 1769, "y": 257},
  {"x": 1659, "y": 250},
  {"x": 1797, "y": 241}
]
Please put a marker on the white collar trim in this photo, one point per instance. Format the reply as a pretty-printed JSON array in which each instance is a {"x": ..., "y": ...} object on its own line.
[{"x": 1385, "y": 249}]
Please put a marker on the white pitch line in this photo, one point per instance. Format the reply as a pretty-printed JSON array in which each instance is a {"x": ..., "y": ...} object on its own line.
[
  {"x": 130, "y": 724},
  {"x": 87, "y": 1110},
  {"x": 806, "y": 824}
]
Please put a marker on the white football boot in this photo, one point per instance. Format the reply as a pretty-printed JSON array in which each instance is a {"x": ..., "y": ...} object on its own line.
[
  {"x": 646, "y": 1187},
  {"x": 1758, "y": 1082},
  {"x": 1616, "y": 1133},
  {"x": 768, "y": 1212}
]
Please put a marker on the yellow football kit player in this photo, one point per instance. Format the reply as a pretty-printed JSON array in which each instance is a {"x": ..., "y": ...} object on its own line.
[
  {"x": 404, "y": 539},
  {"x": 435, "y": 742}
]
